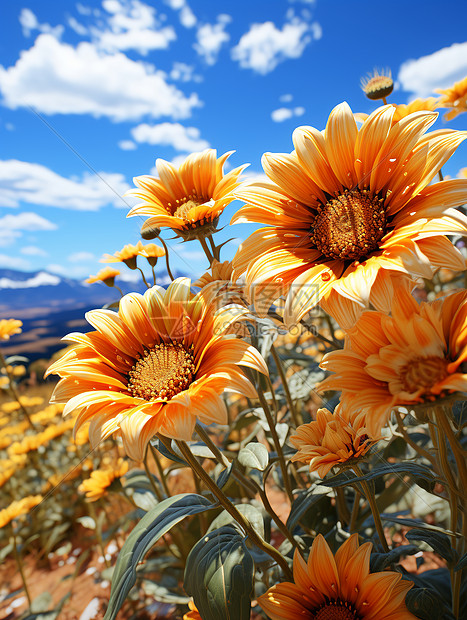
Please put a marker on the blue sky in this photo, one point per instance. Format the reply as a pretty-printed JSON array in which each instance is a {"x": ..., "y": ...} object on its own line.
[{"x": 91, "y": 93}]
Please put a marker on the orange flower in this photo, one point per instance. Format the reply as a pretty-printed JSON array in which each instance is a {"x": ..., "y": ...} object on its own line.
[
  {"x": 334, "y": 439},
  {"x": 454, "y": 98},
  {"x": 193, "y": 614},
  {"x": 188, "y": 199},
  {"x": 402, "y": 110},
  {"x": 9, "y": 327},
  {"x": 19, "y": 508},
  {"x": 349, "y": 209},
  {"x": 152, "y": 252},
  {"x": 101, "y": 479},
  {"x": 414, "y": 356},
  {"x": 106, "y": 275},
  {"x": 126, "y": 255},
  {"x": 338, "y": 587},
  {"x": 156, "y": 366}
]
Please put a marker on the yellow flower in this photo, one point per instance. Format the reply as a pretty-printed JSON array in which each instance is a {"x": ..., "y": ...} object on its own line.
[
  {"x": 19, "y": 371},
  {"x": 101, "y": 479},
  {"x": 26, "y": 401},
  {"x": 417, "y": 105},
  {"x": 377, "y": 85},
  {"x": 338, "y": 587},
  {"x": 18, "y": 508},
  {"x": 152, "y": 252},
  {"x": 156, "y": 366},
  {"x": 6, "y": 473},
  {"x": 454, "y": 98},
  {"x": 350, "y": 209},
  {"x": 416, "y": 355},
  {"x": 4, "y": 382},
  {"x": 126, "y": 255},
  {"x": 334, "y": 439},
  {"x": 106, "y": 275},
  {"x": 9, "y": 327},
  {"x": 188, "y": 199}
]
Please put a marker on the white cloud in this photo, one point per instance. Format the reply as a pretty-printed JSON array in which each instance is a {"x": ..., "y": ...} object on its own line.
[
  {"x": 40, "y": 279},
  {"x": 29, "y": 23},
  {"x": 77, "y": 27},
  {"x": 22, "y": 181},
  {"x": 127, "y": 145},
  {"x": 211, "y": 37},
  {"x": 441, "y": 69},
  {"x": 170, "y": 134},
  {"x": 186, "y": 15},
  {"x": 33, "y": 250},
  {"x": 13, "y": 262},
  {"x": 264, "y": 46},
  {"x": 56, "y": 78},
  {"x": 286, "y": 98},
  {"x": 11, "y": 226},
  {"x": 184, "y": 73},
  {"x": 81, "y": 257},
  {"x": 282, "y": 114}
]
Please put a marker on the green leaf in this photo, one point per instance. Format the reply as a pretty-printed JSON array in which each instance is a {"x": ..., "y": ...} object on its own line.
[
  {"x": 439, "y": 542},
  {"x": 426, "y": 604},
  {"x": 144, "y": 535},
  {"x": 250, "y": 513},
  {"x": 306, "y": 500},
  {"x": 380, "y": 561},
  {"x": 415, "y": 523},
  {"x": 219, "y": 575},
  {"x": 462, "y": 563},
  {"x": 224, "y": 476},
  {"x": 254, "y": 455}
]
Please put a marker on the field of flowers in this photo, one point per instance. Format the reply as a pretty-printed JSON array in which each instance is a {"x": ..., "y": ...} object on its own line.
[{"x": 282, "y": 438}]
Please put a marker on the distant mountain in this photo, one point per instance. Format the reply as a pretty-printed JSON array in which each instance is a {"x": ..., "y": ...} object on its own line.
[{"x": 51, "y": 306}]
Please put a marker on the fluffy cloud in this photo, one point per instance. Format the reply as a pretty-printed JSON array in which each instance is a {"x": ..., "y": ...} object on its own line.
[
  {"x": 22, "y": 181},
  {"x": 56, "y": 78},
  {"x": 438, "y": 70},
  {"x": 12, "y": 262},
  {"x": 170, "y": 134},
  {"x": 29, "y": 23},
  {"x": 264, "y": 46},
  {"x": 186, "y": 15},
  {"x": 282, "y": 114},
  {"x": 33, "y": 250},
  {"x": 127, "y": 145},
  {"x": 81, "y": 257},
  {"x": 12, "y": 226},
  {"x": 184, "y": 73},
  {"x": 211, "y": 37},
  {"x": 40, "y": 279}
]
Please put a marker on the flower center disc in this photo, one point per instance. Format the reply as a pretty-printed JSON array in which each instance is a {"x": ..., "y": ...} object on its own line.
[
  {"x": 163, "y": 372},
  {"x": 337, "y": 611},
  {"x": 423, "y": 372},
  {"x": 183, "y": 208},
  {"x": 349, "y": 226}
]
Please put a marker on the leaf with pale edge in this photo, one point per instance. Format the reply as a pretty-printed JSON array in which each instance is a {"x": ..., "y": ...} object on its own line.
[
  {"x": 144, "y": 535},
  {"x": 219, "y": 575}
]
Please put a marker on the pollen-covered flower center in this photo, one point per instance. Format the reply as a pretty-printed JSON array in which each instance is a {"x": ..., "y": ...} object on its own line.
[
  {"x": 350, "y": 226},
  {"x": 336, "y": 610},
  {"x": 182, "y": 206},
  {"x": 164, "y": 371},
  {"x": 423, "y": 373}
]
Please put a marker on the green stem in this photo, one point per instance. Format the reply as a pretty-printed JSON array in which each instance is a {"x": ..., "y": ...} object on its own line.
[
  {"x": 160, "y": 469},
  {"x": 167, "y": 263},
  {"x": 207, "y": 251},
  {"x": 285, "y": 385},
  {"x": 119, "y": 290},
  {"x": 277, "y": 445},
  {"x": 13, "y": 390},
  {"x": 421, "y": 451},
  {"x": 215, "y": 249},
  {"x": 232, "y": 510},
  {"x": 355, "y": 511},
  {"x": 342, "y": 509},
  {"x": 153, "y": 275},
  {"x": 144, "y": 278},
  {"x": 370, "y": 498},
  {"x": 20, "y": 567}
]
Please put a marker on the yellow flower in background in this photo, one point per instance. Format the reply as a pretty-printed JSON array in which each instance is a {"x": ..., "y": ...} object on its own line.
[
  {"x": 414, "y": 356},
  {"x": 127, "y": 255},
  {"x": 156, "y": 366},
  {"x": 218, "y": 272},
  {"x": 101, "y": 480},
  {"x": 188, "y": 199},
  {"x": 33, "y": 442},
  {"x": 339, "y": 587},
  {"x": 106, "y": 275},
  {"x": 19, "y": 371},
  {"x": 193, "y": 614},
  {"x": 18, "y": 508},
  {"x": 152, "y": 252},
  {"x": 350, "y": 209},
  {"x": 26, "y": 401},
  {"x": 334, "y": 439},
  {"x": 377, "y": 85},
  {"x": 454, "y": 98},
  {"x": 402, "y": 110},
  {"x": 6, "y": 473},
  {"x": 4, "y": 382},
  {"x": 9, "y": 327}
]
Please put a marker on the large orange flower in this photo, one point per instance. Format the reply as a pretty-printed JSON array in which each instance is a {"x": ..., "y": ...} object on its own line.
[
  {"x": 338, "y": 587},
  {"x": 333, "y": 440},
  {"x": 350, "y": 208},
  {"x": 188, "y": 199},
  {"x": 411, "y": 357},
  {"x": 156, "y": 366}
]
